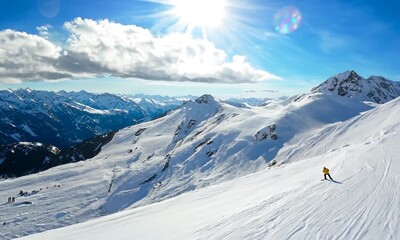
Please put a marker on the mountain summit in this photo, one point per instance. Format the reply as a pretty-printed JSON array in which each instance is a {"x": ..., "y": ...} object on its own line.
[
  {"x": 205, "y": 99},
  {"x": 349, "y": 84}
]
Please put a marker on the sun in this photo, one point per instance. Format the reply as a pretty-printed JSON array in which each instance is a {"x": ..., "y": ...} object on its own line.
[
  {"x": 200, "y": 13},
  {"x": 218, "y": 21}
]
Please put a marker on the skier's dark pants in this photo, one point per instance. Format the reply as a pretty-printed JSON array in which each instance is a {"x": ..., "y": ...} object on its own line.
[{"x": 328, "y": 176}]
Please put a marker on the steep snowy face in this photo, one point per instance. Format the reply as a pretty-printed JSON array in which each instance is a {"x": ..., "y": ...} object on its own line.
[
  {"x": 156, "y": 108},
  {"x": 208, "y": 141},
  {"x": 364, "y": 129},
  {"x": 350, "y": 84}
]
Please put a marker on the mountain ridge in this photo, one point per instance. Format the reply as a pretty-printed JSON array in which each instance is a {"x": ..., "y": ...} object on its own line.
[
  {"x": 375, "y": 88},
  {"x": 65, "y": 118}
]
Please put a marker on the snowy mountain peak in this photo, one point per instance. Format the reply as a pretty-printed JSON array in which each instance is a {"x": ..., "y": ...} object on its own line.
[
  {"x": 205, "y": 99},
  {"x": 350, "y": 75},
  {"x": 349, "y": 84}
]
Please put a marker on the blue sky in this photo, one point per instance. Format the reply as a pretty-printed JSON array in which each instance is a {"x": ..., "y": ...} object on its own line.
[{"x": 241, "y": 55}]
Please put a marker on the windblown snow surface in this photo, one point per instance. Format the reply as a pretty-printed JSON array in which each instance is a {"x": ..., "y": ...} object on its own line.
[{"x": 285, "y": 201}]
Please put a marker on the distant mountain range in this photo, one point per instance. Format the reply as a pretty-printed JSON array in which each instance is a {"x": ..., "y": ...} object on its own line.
[
  {"x": 64, "y": 118},
  {"x": 42, "y": 129}
]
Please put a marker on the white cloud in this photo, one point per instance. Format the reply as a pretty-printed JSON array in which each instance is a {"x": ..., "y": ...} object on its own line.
[
  {"x": 250, "y": 91},
  {"x": 44, "y": 30},
  {"x": 270, "y": 91},
  {"x": 26, "y": 57},
  {"x": 99, "y": 48},
  {"x": 262, "y": 90}
]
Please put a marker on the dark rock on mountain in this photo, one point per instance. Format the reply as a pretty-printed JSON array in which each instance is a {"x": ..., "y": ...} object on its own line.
[
  {"x": 24, "y": 158},
  {"x": 81, "y": 151},
  {"x": 205, "y": 99},
  {"x": 350, "y": 84}
]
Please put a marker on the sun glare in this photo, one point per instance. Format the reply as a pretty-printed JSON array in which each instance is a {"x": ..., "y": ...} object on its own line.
[
  {"x": 200, "y": 13},
  {"x": 219, "y": 21}
]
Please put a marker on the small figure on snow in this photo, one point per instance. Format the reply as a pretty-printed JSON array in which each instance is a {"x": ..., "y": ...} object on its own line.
[
  {"x": 326, "y": 172},
  {"x": 22, "y": 192}
]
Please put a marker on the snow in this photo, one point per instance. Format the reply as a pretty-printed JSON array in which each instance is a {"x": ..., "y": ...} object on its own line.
[
  {"x": 16, "y": 136},
  {"x": 284, "y": 202},
  {"x": 155, "y": 105},
  {"x": 88, "y": 109},
  {"x": 31, "y": 144},
  {"x": 27, "y": 129},
  {"x": 231, "y": 194}
]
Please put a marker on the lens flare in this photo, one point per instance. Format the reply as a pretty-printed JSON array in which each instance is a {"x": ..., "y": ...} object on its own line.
[
  {"x": 287, "y": 20},
  {"x": 48, "y": 8}
]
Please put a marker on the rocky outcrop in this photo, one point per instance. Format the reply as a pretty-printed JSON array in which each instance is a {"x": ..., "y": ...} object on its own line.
[
  {"x": 25, "y": 158},
  {"x": 205, "y": 99},
  {"x": 263, "y": 134}
]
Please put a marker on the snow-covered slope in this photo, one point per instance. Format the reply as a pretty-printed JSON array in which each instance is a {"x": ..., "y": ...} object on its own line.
[
  {"x": 285, "y": 201},
  {"x": 350, "y": 84},
  {"x": 208, "y": 141},
  {"x": 203, "y": 143}
]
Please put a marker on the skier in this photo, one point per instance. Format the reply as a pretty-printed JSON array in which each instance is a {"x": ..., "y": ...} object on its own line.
[{"x": 326, "y": 172}]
